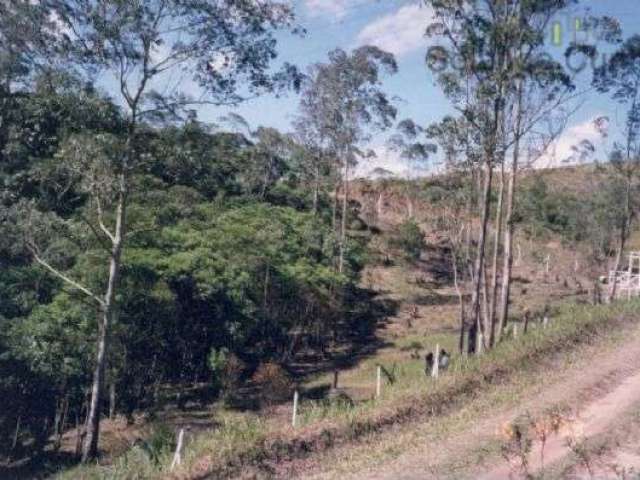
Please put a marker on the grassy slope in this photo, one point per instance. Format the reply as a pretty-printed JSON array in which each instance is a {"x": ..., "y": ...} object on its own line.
[
  {"x": 241, "y": 439},
  {"x": 460, "y": 443},
  {"x": 255, "y": 444}
]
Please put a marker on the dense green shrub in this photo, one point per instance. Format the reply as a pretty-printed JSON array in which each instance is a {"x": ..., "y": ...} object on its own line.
[{"x": 410, "y": 239}]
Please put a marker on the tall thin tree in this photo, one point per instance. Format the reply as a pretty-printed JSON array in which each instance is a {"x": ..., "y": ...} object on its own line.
[{"x": 226, "y": 47}]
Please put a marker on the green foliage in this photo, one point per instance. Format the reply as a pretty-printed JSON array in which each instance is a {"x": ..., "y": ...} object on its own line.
[
  {"x": 222, "y": 250},
  {"x": 410, "y": 239},
  {"x": 543, "y": 210},
  {"x": 193, "y": 156},
  {"x": 209, "y": 266},
  {"x": 592, "y": 220},
  {"x": 217, "y": 361},
  {"x": 160, "y": 443}
]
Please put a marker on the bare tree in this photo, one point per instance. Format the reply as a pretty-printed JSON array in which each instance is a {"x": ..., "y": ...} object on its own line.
[{"x": 621, "y": 78}]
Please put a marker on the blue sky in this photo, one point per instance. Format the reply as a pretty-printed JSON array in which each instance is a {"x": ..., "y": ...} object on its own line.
[{"x": 398, "y": 26}]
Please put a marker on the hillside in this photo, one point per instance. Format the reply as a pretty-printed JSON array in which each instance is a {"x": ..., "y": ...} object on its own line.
[
  {"x": 417, "y": 307},
  {"x": 196, "y": 282}
]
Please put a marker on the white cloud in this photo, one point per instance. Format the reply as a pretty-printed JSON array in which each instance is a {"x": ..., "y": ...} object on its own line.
[
  {"x": 385, "y": 159},
  {"x": 400, "y": 32},
  {"x": 335, "y": 8},
  {"x": 391, "y": 161},
  {"x": 578, "y": 144}
]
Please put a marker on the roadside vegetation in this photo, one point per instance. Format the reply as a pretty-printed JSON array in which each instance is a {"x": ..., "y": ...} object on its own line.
[
  {"x": 252, "y": 442},
  {"x": 161, "y": 274}
]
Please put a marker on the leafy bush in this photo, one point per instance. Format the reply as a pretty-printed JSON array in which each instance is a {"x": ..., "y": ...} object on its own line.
[
  {"x": 227, "y": 369},
  {"x": 410, "y": 239},
  {"x": 275, "y": 383},
  {"x": 160, "y": 443}
]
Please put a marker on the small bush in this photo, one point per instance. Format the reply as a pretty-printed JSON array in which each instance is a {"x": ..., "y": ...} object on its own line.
[
  {"x": 275, "y": 383},
  {"x": 227, "y": 371},
  {"x": 161, "y": 442},
  {"x": 410, "y": 239}
]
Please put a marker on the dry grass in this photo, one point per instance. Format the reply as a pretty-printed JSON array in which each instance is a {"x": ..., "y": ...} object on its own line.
[
  {"x": 243, "y": 442},
  {"x": 247, "y": 438}
]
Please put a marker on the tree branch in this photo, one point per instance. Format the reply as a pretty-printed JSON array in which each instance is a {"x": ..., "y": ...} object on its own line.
[
  {"x": 103, "y": 227},
  {"x": 65, "y": 278},
  {"x": 96, "y": 234}
]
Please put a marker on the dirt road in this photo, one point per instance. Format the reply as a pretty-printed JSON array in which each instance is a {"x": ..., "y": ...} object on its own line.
[
  {"x": 595, "y": 419},
  {"x": 601, "y": 386}
]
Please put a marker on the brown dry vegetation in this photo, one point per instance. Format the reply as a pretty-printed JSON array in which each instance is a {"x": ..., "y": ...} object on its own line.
[{"x": 424, "y": 313}]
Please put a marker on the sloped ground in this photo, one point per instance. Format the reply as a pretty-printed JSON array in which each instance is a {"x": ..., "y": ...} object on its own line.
[
  {"x": 426, "y": 304},
  {"x": 600, "y": 383},
  {"x": 425, "y": 312}
]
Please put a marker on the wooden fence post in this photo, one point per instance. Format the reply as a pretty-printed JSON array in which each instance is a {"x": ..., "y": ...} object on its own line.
[
  {"x": 479, "y": 343},
  {"x": 177, "y": 457},
  {"x": 378, "y": 381},
  {"x": 295, "y": 409},
  {"x": 436, "y": 362}
]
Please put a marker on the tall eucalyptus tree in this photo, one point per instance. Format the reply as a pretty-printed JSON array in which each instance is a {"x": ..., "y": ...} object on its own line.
[
  {"x": 620, "y": 77},
  {"x": 345, "y": 99},
  {"x": 488, "y": 49}
]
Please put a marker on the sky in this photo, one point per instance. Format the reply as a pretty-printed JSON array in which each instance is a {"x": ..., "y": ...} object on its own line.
[{"x": 398, "y": 26}]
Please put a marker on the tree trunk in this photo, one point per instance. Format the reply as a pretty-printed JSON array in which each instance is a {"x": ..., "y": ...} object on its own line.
[
  {"x": 343, "y": 220},
  {"x": 5, "y": 108},
  {"x": 112, "y": 399},
  {"x": 480, "y": 254},
  {"x": 334, "y": 208},
  {"x": 63, "y": 422},
  {"x": 316, "y": 190},
  {"x": 266, "y": 178},
  {"x": 379, "y": 204},
  {"x": 16, "y": 433},
  {"x": 485, "y": 307},
  {"x": 78, "y": 435},
  {"x": 621, "y": 244},
  {"x": 90, "y": 447},
  {"x": 460, "y": 301},
  {"x": 494, "y": 271},
  {"x": 507, "y": 265},
  {"x": 265, "y": 292}
]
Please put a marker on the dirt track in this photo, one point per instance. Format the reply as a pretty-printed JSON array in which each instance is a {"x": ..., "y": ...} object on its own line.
[
  {"x": 596, "y": 418},
  {"x": 601, "y": 387}
]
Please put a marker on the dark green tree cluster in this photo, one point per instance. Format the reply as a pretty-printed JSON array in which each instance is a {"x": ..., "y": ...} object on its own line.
[
  {"x": 211, "y": 262},
  {"x": 136, "y": 242}
]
